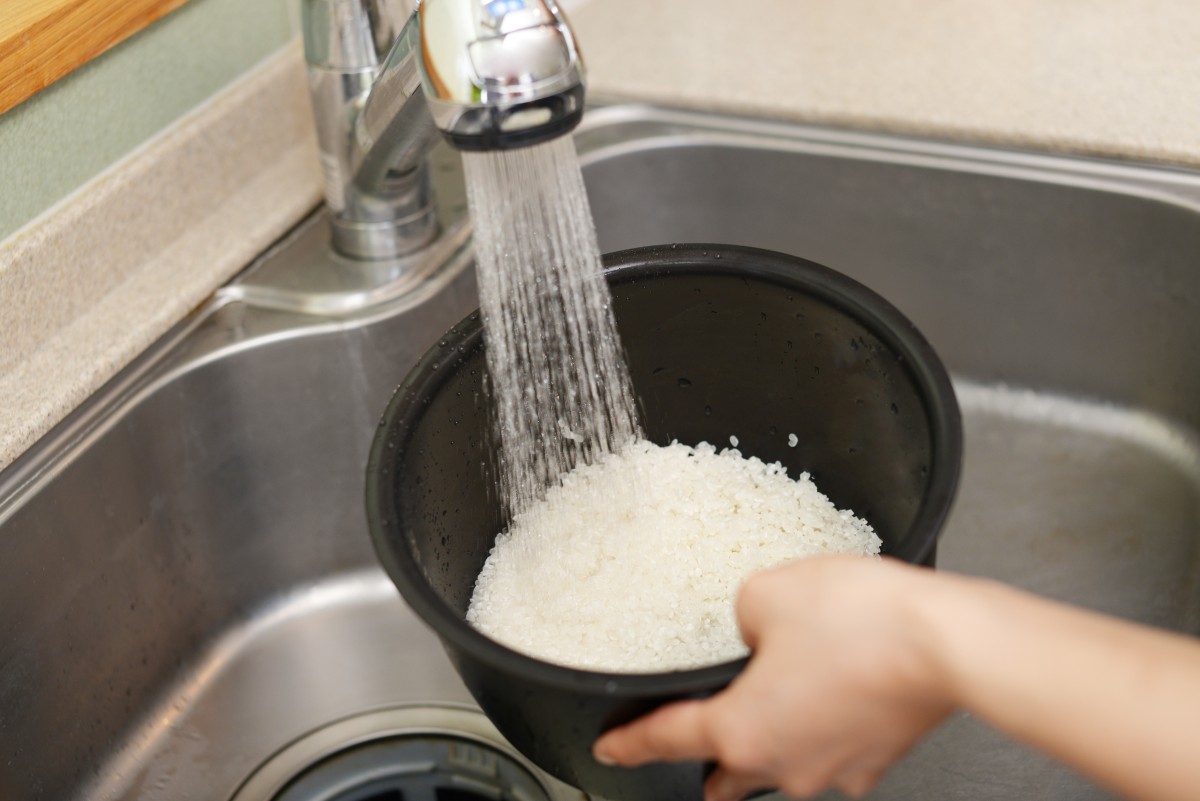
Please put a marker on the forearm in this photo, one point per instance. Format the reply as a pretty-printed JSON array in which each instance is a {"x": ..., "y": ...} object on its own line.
[{"x": 1119, "y": 702}]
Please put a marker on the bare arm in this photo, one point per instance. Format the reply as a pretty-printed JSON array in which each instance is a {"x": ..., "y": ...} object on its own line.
[
  {"x": 854, "y": 660},
  {"x": 1117, "y": 701}
]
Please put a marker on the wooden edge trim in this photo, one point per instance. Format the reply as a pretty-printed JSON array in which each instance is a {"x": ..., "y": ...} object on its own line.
[{"x": 43, "y": 40}]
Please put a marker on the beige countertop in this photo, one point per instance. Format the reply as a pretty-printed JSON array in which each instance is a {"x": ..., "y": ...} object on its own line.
[
  {"x": 1103, "y": 77},
  {"x": 177, "y": 219}
]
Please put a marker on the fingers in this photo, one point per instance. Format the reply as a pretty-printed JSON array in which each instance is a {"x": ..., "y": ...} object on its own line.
[
  {"x": 670, "y": 734},
  {"x": 858, "y": 784},
  {"x": 728, "y": 785},
  {"x": 725, "y": 784},
  {"x": 684, "y": 731}
]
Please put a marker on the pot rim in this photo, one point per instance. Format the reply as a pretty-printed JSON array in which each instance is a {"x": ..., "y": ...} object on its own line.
[{"x": 801, "y": 275}]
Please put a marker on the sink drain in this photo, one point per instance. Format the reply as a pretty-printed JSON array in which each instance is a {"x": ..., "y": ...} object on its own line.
[
  {"x": 415, "y": 768},
  {"x": 407, "y": 754}
]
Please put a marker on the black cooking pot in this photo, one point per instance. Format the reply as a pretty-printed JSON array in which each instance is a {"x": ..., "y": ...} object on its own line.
[{"x": 720, "y": 341}]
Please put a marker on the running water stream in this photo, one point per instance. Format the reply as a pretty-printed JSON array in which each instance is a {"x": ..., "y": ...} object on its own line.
[{"x": 559, "y": 382}]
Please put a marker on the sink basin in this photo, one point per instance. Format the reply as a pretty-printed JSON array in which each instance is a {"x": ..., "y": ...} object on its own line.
[{"x": 187, "y": 588}]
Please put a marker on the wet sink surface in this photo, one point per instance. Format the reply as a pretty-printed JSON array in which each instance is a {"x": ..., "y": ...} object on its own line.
[
  {"x": 186, "y": 582},
  {"x": 1060, "y": 294}
]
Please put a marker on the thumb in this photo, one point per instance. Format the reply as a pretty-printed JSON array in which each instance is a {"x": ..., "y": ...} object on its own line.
[
  {"x": 672, "y": 733},
  {"x": 753, "y": 606}
]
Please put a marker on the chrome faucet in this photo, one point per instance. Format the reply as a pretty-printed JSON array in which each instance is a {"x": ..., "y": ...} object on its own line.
[{"x": 385, "y": 84}]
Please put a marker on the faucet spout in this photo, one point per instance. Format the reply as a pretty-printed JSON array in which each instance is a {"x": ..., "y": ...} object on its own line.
[
  {"x": 483, "y": 74},
  {"x": 500, "y": 74}
]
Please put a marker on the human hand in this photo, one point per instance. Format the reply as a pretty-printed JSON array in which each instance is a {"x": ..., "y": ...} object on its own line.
[{"x": 842, "y": 681}]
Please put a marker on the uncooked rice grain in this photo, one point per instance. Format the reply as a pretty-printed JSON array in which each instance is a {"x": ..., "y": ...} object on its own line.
[{"x": 633, "y": 563}]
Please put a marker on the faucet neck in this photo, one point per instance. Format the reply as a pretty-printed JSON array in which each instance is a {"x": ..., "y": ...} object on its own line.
[{"x": 373, "y": 128}]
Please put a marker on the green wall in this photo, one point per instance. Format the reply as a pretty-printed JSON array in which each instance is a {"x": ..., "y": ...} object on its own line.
[{"x": 68, "y": 133}]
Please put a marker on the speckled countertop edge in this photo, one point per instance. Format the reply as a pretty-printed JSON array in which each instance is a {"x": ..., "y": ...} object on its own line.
[{"x": 95, "y": 281}]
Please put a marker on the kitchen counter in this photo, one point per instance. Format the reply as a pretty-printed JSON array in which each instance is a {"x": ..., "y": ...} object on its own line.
[{"x": 1104, "y": 78}]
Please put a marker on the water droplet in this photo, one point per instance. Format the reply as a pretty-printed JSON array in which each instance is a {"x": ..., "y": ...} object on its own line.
[
  {"x": 708, "y": 411},
  {"x": 683, "y": 382}
]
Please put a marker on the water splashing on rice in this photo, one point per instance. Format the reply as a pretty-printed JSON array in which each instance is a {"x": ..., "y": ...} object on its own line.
[{"x": 559, "y": 382}]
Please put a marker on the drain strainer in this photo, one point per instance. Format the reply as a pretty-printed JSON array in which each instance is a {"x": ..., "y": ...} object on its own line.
[{"x": 425, "y": 753}]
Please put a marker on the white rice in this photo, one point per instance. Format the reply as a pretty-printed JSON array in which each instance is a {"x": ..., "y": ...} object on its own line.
[{"x": 633, "y": 564}]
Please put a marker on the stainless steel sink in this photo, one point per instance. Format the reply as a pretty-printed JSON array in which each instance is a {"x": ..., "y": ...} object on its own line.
[{"x": 187, "y": 589}]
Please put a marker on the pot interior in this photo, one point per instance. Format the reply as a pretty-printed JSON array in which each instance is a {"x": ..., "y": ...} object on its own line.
[{"x": 800, "y": 365}]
